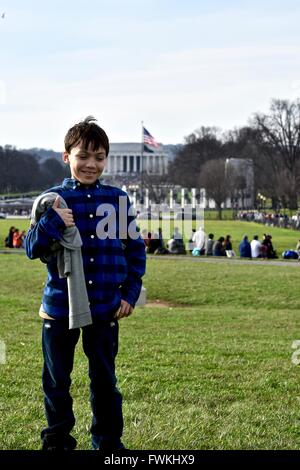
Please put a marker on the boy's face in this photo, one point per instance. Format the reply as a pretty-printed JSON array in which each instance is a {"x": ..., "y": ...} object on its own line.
[{"x": 86, "y": 165}]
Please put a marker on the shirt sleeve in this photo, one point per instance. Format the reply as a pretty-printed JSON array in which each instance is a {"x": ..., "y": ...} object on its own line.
[
  {"x": 136, "y": 260},
  {"x": 43, "y": 234}
]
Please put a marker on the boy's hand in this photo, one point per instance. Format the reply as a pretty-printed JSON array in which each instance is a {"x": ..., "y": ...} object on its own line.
[
  {"x": 65, "y": 214},
  {"x": 124, "y": 311}
]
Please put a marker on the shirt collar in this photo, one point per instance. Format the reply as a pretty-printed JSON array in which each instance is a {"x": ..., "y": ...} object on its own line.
[{"x": 72, "y": 183}]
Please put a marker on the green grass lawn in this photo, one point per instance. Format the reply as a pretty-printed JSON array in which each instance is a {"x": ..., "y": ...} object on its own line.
[{"x": 210, "y": 370}]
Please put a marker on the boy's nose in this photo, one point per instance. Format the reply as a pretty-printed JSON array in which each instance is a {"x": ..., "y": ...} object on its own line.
[{"x": 91, "y": 164}]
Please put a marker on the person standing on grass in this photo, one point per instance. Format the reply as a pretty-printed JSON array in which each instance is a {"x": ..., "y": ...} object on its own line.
[{"x": 68, "y": 228}]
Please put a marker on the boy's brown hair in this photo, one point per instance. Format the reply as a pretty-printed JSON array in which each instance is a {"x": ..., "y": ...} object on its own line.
[{"x": 88, "y": 132}]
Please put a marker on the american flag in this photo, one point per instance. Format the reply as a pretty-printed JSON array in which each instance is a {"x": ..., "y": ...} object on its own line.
[{"x": 149, "y": 139}]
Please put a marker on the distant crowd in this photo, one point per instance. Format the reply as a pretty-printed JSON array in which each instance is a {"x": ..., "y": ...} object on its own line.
[{"x": 275, "y": 219}]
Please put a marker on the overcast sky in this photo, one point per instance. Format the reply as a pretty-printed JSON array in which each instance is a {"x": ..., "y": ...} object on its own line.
[{"x": 177, "y": 65}]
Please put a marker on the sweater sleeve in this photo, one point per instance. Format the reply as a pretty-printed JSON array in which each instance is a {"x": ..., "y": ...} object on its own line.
[
  {"x": 136, "y": 262},
  {"x": 43, "y": 234}
]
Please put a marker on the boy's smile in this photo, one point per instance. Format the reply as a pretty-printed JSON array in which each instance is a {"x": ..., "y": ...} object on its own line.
[{"x": 86, "y": 165}]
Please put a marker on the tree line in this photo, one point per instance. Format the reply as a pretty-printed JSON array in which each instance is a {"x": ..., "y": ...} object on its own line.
[
  {"x": 22, "y": 171},
  {"x": 271, "y": 140}
]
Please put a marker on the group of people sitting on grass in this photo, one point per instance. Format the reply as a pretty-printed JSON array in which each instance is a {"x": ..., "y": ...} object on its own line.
[
  {"x": 154, "y": 243},
  {"x": 15, "y": 238},
  {"x": 256, "y": 248},
  {"x": 200, "y": 244}
]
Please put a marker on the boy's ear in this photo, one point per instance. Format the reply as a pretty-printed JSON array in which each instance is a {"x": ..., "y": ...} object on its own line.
[{"x": 65, "y": 157}]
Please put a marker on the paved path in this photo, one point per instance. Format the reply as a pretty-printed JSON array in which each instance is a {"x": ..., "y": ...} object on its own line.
[
  {"x": 13, "y": 251},
  {"x": 197, "y": 259},
  {"x": 221, "y": 259}
]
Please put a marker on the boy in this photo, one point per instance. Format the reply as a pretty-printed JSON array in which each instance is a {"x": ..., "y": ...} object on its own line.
[{"x": 112, "y": 266}]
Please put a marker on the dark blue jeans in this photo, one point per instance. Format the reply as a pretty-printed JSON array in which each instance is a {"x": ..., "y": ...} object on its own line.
[{"x": 100, "y": 344}]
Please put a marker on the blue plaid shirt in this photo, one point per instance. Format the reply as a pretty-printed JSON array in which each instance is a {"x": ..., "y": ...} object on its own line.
[{"x": 113, "y": 267}]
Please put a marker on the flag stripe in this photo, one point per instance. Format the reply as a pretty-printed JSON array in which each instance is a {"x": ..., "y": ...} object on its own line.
[{"x": 149, "y": 139}]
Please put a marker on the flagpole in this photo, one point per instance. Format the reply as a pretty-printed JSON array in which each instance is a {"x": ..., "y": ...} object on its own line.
[{"x": 142, "y": 163}]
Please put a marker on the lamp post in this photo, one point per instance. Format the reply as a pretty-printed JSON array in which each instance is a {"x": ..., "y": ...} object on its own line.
[{"x": 133, "y": 188}]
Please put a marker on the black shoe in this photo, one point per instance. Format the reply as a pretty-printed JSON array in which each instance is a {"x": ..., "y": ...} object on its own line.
[
  {"x": 112, "y": 444},
  {"x": 58, "y": 442},
  {"x": 109, "y": 447}
]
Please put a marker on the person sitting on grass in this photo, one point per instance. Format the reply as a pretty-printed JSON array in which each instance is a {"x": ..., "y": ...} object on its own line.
[
  {"x": 199, "y": 240},
  {"x": 256, "y": 247},
  {"x": 209, "y": 245},
  {"x": 245, "y": 248},
  {"x": 269, "y": 249},
  {"x": 191, "y": 243},
  {"x": 218, "y": 247},
  {"x": 154, "y": 244},
  {"x": 17, "y": 238},
  {"x": 147, "y": 240},
  {"x": 10, "y": 237},
  {"x": 227, "y": 243}
]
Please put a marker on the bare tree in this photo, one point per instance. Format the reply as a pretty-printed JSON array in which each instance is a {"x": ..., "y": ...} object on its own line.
[
  {"x": 278, "y": 138},
  {"x": 158, "y": 186},
  {"x": 213, "y": 179},
  {"x": 202, "y": 145}
]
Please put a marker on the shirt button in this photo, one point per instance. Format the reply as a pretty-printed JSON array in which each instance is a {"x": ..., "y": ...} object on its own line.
[
  {"x": 89, "y": 195},
  {"x": 91, "y": 260},
  {"x": 92, "y": 236},
  {"x": 90, "y": 282},
  {"x": 91, "y": 216}
]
